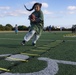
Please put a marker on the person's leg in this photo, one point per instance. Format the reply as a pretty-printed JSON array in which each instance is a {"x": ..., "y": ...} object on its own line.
[
  {"x": 28, "y": 36},
  {"x": 35, "y": 38}
]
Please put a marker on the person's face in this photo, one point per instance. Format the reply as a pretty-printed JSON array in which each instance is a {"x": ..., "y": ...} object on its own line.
[{"x": 37, "y": 8}]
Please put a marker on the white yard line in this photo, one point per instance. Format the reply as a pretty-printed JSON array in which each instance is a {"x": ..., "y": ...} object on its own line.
[
  {"x": 39, "y": 40},
  {"x": 65, "y": 62},
  {"x": 51, "y": 69},
  {"x": 4, "y": 55},
  {"x": 11, "y": 31},
  {"x": 9, "y": 39}
]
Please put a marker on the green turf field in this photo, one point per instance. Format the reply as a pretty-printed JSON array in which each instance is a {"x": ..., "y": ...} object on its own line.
[{"x": 52, "y": 45}]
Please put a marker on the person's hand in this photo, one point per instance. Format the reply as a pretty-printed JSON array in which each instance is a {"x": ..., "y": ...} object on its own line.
[
  {"x": 32, "y": 17},
  {"x": 33, "y": 20}
]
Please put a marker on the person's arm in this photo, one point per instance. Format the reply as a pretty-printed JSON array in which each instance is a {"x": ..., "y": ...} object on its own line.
[
  {"x": 40, "y": 18},
  {"x": 32, "y": 17}
]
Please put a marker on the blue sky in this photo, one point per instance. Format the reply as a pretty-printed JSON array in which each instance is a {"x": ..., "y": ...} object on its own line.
[{"x": 60, "y": 13}]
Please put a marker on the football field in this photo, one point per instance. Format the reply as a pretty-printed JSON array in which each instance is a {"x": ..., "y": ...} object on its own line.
[{"x": 54, "y": 54}]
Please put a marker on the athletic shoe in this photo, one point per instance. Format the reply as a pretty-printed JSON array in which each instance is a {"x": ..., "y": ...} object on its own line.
[
  {"x": 33, "y": 44},
  {"x": 23, "y": 42}
]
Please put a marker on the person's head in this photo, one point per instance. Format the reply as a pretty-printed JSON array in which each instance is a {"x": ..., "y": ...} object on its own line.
[
  {"x": 16, "y": 25},
  {"x": 36, "y": 7}
]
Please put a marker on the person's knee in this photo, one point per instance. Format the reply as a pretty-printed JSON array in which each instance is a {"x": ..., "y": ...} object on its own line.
[{"x": 32, "y": 32}]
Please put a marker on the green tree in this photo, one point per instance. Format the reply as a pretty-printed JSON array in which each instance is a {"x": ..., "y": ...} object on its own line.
[
  {"x": 22, "y": 27},
  {"x": 8, "y": 27},
  {"x": 1, "y": 27}
]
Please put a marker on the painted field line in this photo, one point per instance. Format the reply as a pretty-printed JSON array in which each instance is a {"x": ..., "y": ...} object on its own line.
[
  {"x": 4, "y": 69},
  {"x": 17, "y": 59},
  {"x": 4, "y": 55},
  {"x": 38, "y": 50},
  {"x": 43, "y": 47},
  {"x": 51, "y": 69},
  {"x": 65, "y": 62},
  {"x": 20, "y": 39},
  {"x": 39, "y": 40},
  {"x": 30, "y": 54},
  {"x": 9, "y": 39},
  {"x": 49, "y": 45}
]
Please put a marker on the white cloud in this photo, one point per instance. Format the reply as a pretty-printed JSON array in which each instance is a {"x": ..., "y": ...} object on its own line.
[
  {"x": 71, "y": 7},
  {"x": 14, "y": 13},
  {"x": 61, "y": 12},
  {"x": 19, "y": 13},
  {"x": 10, "y": 12},
  {"x": 23, "y": 12},
  {"x": 45, "y": 5},
  {"x": 1, "y": 15},
  {"x": 71, "y": 12},
  {"x": 47, "y": 12},
  {"x": 33, "y": 2},
  {"x": 4, "y": 8},
  {"x": 30, "y": 3}
]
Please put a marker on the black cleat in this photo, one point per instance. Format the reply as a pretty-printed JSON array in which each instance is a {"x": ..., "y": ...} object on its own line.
[
  {"x": 63, "y": 40},
  {"x": 23, "y": 42},
  {"x": 33, "y": 44}
]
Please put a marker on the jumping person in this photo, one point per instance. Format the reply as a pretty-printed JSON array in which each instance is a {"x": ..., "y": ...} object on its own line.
[{"x": 36, "y": 22}]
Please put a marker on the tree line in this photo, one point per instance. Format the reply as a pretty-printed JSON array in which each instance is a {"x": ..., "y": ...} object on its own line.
[
  {"x": 54, "y": 28},
  {"x": 9, "y": 27}
]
